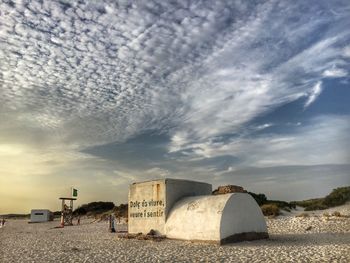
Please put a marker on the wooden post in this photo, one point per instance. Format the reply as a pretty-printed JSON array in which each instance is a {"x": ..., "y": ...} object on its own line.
[{"x": 62, "y": 214}]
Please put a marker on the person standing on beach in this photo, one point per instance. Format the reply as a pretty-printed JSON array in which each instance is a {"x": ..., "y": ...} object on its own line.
[
  {"x": 78, "y": 223},
  {"x": 3, "y": 222},
  {"x": 111, "y": 223}
]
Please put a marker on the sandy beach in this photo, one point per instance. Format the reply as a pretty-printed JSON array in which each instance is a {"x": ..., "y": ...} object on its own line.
[{"x": 314, "y": 238}]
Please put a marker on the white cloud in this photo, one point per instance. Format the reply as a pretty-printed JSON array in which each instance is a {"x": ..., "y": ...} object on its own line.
[
  {"x": 98, "y": 72},
  {"x": 325, "y": 140},
  {"x": 315, "y": 92},
  {"x": 335, "y": 73},
  {"x": 346, "y": 52},
  {"x": 264, "y": 126}
]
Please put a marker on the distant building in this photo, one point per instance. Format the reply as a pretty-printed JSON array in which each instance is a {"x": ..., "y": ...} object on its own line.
[{"x": 40, "y": 215}]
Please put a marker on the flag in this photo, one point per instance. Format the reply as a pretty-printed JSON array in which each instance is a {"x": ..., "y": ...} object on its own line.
[{"x": 74, "y": 192}]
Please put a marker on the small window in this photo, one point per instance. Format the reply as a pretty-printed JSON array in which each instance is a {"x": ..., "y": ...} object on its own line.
[{"x": 39, "y": 214}]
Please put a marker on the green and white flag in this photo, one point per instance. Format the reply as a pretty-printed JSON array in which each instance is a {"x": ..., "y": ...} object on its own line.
[{"x": 74, "y": 192}]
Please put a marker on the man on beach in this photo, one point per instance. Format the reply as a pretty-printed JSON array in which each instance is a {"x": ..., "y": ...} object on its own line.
[{"x": 111, "y": 223}]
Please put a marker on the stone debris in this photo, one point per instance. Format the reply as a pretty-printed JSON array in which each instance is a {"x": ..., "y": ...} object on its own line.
[
  {"x": 150, "y": 236},
  {"x": 227, "y": 189},
  {"x": 152, "y": 232}
]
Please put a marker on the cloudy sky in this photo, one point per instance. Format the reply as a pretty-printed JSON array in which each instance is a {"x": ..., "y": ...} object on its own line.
[{"x": 100, "y": 94}]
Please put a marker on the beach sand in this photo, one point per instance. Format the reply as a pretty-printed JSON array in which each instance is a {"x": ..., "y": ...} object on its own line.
[{"x": 328, "y": 240}]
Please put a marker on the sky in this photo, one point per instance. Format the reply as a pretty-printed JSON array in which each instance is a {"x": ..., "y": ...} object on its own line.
[{"x": 101, "y": 94}]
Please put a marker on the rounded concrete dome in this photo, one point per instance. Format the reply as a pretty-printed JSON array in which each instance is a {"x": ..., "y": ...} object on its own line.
[{"x": 218, "y": 218}]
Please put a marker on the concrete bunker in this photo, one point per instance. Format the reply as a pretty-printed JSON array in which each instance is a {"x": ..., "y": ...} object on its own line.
[
  {"x": 40, "y": 215},
  {"x": 217, "y": 218},
  {"x": 187, "y": 210}
]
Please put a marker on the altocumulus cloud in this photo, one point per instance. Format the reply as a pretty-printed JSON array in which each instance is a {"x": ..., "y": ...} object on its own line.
[{"x": 79, "y": 74}]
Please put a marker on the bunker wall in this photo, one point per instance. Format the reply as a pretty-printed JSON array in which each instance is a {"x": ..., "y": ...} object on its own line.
[
  {"x": 177, "y": 189},
  {"x": 146, "y": 207},
  {"x": 151, "y": 201}
]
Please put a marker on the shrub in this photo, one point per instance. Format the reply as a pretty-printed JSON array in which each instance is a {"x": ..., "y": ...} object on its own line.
[
  {"x": 280, "y": 204},
  {"x": 121, "y": 211},
  {"x": 311, "y": 204},
  {"x": 292, "y": 205},
  {"x": 94, "y": 208},
  {"x": 336, "y": 213},
  {"x": 287, "y": 209},
  {"x": 316, "y": 206},
  {"x": 338, "y": 196},
  {"x": 270, "y": 210}
]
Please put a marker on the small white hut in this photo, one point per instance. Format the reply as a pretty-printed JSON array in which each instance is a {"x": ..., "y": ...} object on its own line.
[{"x": 40, "y": 215}]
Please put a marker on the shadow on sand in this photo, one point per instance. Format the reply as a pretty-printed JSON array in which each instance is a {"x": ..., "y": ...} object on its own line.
[{"x": 298, "y": 240}]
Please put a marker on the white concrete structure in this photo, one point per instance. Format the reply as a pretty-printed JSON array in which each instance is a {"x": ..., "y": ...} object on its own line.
[
  {"x": 217, "y": 218},
  {"x": 187, "y": 210},
  {"x": 40, "y": 215},
  {"x": 150, "y": 202}
]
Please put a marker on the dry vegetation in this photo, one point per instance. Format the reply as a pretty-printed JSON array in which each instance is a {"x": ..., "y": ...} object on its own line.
[
  {"x": 270, "y": 210},
  {"x": 338, "y": 196}
]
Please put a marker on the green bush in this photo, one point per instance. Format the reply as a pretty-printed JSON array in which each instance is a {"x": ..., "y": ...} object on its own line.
[
  {"x": 310, "y": 202},
  {"x": 94, "y": 208},
  {"x": 280, "y": 204},
  {"x": 121, "y": 210},
  {"x": 338, "y": 196},
  {"x": 316, "y": 206},
  {"x": 270, "y": 210},
  {"x": 287, "y": 209}
]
